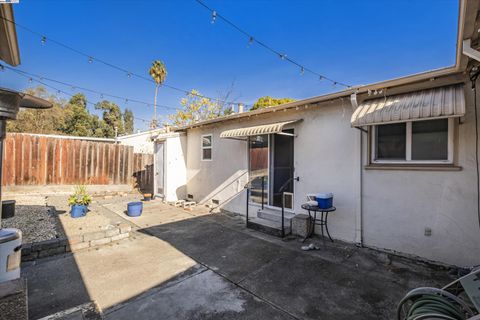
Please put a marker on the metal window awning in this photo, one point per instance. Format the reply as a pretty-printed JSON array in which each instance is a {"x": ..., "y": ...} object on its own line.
[
  {"x": 242, "y": 133},
  {"x": 443, "y": 102}
]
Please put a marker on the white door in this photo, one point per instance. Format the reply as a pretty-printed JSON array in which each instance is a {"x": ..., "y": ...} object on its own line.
[{"x": 159, "y": 169}]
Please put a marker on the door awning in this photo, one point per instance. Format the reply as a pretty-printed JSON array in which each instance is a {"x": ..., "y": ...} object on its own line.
[
  {"x": 443, "y": 102},
  {"x": 256, "y": 130}
]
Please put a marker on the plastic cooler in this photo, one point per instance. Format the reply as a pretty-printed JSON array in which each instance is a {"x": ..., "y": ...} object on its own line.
[{"x": 325, "y": 200}]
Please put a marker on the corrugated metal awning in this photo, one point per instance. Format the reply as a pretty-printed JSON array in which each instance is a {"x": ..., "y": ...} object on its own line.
[
  {"x": 443, "y": 102},
  {"x": 256, "y": 130}
]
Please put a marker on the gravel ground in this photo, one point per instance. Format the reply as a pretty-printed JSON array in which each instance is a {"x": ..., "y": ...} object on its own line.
[{"x": 38, "y": 223}]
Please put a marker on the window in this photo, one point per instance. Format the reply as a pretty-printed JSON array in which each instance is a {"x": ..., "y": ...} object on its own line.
[
  {"x": 207, "y": 147},
  {"x": 428, "y": 141}
]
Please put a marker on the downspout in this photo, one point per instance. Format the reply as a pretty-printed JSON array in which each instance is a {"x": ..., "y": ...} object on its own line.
[{"x": 359, "y": 210}]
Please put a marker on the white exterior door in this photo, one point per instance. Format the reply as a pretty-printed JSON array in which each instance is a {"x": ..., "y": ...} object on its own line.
[{"x": 159, "y": 169}]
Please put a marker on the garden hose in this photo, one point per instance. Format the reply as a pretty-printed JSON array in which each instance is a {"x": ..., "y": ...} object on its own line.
[{"x": 432, "y": 303}]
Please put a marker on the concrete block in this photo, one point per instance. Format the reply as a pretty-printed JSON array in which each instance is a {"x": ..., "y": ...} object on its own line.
[
  {"x": 26, "y": 249},
  {"x": 120, "y": 236},
  {"x": 45, "y": 245},
  {"x": 30, "y": 257},
  {"x": 79, "y": 246},
  {"x": 51, "y": 252},
  {"x": 100, "y": 242},
  {"x": 112, "y": 232},
  {"x": 94, "y": 236},
  {"x": 124, "y": 227},
  {"x": 13, "y": 300},
  {"x": 300, "y": 224},
  {"x": 74, "y": 239}
]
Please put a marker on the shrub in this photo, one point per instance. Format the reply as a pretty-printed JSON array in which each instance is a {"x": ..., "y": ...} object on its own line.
[{"x": 80, "y": 196}]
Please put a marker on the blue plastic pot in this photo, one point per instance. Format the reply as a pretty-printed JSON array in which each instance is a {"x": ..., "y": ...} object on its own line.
[
  {"x": 134, "y": 209},
  {"x": 78, "y": 210}
]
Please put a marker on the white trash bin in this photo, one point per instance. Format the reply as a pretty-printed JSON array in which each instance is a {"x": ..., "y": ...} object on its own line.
[{"x": 10, "y": 254}]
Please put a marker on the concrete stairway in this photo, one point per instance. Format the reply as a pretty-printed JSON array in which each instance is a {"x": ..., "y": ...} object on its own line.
[{"x": 269, "y": 221}]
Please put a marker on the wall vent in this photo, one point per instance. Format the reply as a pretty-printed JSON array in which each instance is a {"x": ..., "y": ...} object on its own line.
[
  {"x": 215, "y": 201},
  {"x": 190, "y": 196}
]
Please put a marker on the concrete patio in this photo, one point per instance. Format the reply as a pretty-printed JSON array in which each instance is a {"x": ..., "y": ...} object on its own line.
[{"x": 197, "y": 265}]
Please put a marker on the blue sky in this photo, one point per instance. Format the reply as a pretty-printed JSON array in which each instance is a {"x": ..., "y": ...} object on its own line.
[{"x": 356, "y": 42}]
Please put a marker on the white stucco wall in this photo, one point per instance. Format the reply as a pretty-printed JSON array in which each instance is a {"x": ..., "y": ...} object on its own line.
[
  {"x": 141, "y": 142},
  {"x": 324, "y": 161},
  {"x": 399, "y": 205}
]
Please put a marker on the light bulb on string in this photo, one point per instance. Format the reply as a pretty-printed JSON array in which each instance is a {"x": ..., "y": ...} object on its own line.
[
  {"x": 30, "y": 80},
  {"x": 101, "y": 96},
  {"x": 334, "y": 83},
  {"x": 214, "y": 17},
  {"x": 129, "y": 75},
  {"x": 302, "y": 71},
  {"x": 250, "y": 41},
  {"x": 320, "y": 78},
  {"x": 43, "y": 40},
  {"x": 90, "y": 60},
  {"x": 282, "y": 56}
]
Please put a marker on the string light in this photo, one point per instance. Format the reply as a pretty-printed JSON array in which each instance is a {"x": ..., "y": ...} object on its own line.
[
  {"x": 40, "y": 80},
  {"x": 302, "y": 71},
  {"x": 250, "y": 41},
  {"x": 111, "y": 65},
  {"x": 214, "y": 16},
  {"x": 30, "y": 80},
  {"x": 43, "y": 40},
  {"x": 320, "y": 78},
  {"x": 283, "y": 56},
  {"x": 90, "y": 60},
  {"x": 129, "y": 75}
]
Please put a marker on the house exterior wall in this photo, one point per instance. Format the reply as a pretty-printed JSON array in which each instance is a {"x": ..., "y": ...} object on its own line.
[
  {"x": 396, "y": 206},
  {"x": 399, "y": 205},
  {"x": 324, "y": 160},
  {"x": 141, "y": 142}
]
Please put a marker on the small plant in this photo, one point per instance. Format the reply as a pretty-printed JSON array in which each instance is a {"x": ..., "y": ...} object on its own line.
[{"x": 80, "y": 197}]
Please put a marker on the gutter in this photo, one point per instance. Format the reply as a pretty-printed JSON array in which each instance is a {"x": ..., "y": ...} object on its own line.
[{"x": 9, "y": 51}]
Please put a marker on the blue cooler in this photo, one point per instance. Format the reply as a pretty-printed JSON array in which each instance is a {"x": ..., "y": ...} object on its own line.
[{"x": 325, "y": 200}]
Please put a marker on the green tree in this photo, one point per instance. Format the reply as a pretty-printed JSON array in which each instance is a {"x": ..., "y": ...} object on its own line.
[
  {"x": 196, "y": 108},
  {"x": 112, "y": 118},
  {"x": 158, "y": 72},
  {"x": 128, "y": 121},
  {"x": 267, "y": 101},
  {"x": 78, "y": 121}
]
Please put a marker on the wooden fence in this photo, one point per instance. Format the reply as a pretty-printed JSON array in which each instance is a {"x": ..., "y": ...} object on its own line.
[{"x": 42, "y": 160}]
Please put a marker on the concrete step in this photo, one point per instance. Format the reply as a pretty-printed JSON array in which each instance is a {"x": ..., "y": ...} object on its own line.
[
  {"x": 275, "y": 215},
  {"x": 269, "y": 227}
]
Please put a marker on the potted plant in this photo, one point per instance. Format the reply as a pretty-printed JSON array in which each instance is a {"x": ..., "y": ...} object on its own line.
[{"x": 79, "y": 202}]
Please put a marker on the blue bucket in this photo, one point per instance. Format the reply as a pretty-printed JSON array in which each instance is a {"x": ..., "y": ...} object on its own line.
[
  {"x": 134, "y": 209},
  {"x": 325, "y": 200},
  {"x": 78, "y": 211}
]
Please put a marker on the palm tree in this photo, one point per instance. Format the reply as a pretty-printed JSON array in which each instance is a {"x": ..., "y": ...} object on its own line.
[{"x": 158, "y": 72}]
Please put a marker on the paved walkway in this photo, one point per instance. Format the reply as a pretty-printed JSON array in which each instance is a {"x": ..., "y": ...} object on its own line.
[{"x": 208, "y": 266}]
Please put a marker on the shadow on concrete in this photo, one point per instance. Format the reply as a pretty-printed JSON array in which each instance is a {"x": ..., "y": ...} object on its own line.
[
  {"x": 54, "y": 284},
  {"x": 339, "y": 281},
  {"x": 241, "y": 274}
]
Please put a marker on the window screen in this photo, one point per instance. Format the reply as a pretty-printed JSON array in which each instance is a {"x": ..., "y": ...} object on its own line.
[
  {"x": 391, "y": 141},
  {"x": 430, "y": 140}
]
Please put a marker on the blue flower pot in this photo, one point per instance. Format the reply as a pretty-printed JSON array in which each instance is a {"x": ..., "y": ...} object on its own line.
[
  {"x": 78, "y": 211},
  {"x": 134, "y": 209}
]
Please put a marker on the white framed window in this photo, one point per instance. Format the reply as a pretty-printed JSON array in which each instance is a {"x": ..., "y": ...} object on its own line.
[
  {"x": 416, "y": 142},
  {"x": 206, "y": 149}
]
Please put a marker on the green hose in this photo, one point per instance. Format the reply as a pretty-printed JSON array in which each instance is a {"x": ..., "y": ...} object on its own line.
[{"x": 434, "y": 305}]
